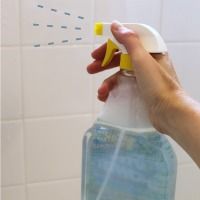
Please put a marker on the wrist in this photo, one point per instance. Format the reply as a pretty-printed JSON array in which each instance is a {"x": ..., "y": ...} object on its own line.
[
  {"x": 184, "y": 112},
  {"x": 182, "y": 123}
]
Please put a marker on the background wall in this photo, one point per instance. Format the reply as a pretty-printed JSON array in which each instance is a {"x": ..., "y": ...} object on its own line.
[{"x": 49, "y": 100}]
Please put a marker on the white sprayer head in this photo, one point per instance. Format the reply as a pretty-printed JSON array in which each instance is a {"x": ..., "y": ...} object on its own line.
[{"x": 149, "y": 37}]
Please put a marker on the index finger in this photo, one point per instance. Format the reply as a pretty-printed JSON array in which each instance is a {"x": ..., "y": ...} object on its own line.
[
  {"x": 99, "y": 53},
  {"x": 96, "y": 66}
]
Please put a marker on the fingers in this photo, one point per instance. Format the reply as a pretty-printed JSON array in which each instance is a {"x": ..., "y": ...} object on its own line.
[
  {"x": 128, "y": 38},
  {"x": 96, "y": 66},
  {"x": 103, "y": 92},
  {"x": 140, "y": 57},
  {"x": 99, "y": 53},
  {"x": 107, "y": 86}
]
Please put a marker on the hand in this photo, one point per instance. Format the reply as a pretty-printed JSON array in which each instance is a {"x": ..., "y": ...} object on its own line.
[
  {"x": 170, "y": 109},
  {"x": 155, "y": 75}
]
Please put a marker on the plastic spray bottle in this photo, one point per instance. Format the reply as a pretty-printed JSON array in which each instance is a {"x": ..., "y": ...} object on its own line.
[{"x": 124, "y": 157}]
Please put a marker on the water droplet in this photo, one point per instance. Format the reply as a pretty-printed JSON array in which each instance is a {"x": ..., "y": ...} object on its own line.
[
  {"x": 80, "y": 17},
  {"x": 49, "y": 25},
  {"x": 54, "y": 10},
  {"x": 37, "y": 45},
  {"x": 40, "y": 6},
  {"x": 77, "y": 28},
  {"x": 64, "y": 41},
  {"x": 51, "y": 43},
  {"x": 64, "y": 27},
  {"x": 66, "y": 13}
]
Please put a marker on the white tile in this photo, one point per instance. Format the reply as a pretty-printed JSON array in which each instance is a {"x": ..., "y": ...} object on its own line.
[
  {"x": 144, "y": 11},
  {"x": 59, "y": 190},
  {"x": 10, "y": 22},
  {"x": 53, "y": 147},
  {"x": 13, "y": 193},
  {"x": 12, "y": 153},
  {"x": 107, "y": 11},
  {"x": 180, "y": 20},
  {"x": 56, "y": 81},
  {"x": 11, "y": 83},
  {"x": 131, "y": 11},
  {"x": 186, "y": 61},
  {"x": 43, "y": 35},
  {"x": 188, "y": 182}
]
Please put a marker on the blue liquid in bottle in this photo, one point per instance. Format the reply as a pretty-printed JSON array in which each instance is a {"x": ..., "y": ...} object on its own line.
[{"x": 121, "y": 163}]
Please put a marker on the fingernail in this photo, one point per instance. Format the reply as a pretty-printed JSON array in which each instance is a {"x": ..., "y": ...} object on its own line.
[{"x": 116, "y": 25}]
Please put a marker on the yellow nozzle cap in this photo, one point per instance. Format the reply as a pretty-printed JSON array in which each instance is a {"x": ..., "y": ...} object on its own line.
[
  {"x": 125, "y": 62},
  {"x": 98, "y": 28}
]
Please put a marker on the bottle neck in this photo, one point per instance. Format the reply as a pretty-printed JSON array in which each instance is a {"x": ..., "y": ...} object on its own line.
[
  {"x": 124, "y": 106},
  {"x": 127, "y": 73}
]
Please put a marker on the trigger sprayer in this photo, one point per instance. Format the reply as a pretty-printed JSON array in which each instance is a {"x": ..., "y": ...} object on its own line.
[
  {"x": 124, "y": 157},
  {"x": 149, "y": 37}
]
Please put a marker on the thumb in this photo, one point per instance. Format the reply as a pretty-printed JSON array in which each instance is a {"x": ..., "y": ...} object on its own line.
[{"x": 140, "y": 57}]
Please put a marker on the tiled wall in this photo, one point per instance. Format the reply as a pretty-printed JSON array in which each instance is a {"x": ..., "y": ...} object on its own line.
[{"x": 48, "y": 99}]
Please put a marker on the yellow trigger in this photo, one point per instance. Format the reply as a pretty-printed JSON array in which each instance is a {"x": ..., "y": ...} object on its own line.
[{"x": 110, "y": 50}]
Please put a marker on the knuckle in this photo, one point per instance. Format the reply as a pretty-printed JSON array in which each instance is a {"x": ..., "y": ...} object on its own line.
[{"x": 130, "y": 34}]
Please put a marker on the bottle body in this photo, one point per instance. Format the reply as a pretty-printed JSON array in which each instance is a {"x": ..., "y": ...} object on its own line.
[
  {"x": 127, "y": 164},
  {"x": 124, "y": 158}
]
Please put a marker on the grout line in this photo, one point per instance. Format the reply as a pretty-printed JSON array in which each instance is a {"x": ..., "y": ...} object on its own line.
[
  {"x": 57, "y": 117},
  {"x": 66, "y": 44},
  {"x": 47, "y": 117},
  {"x": 22, "y": 98},
  {"x": 161, "y": 16},
  {"x": 97, "y": 43},
  {"x": 45, "y": 45},
  {"x": 42, "y": 182},
  {"x": 93, "y": 46},
  {"x": 53, "y": 180},
  {"x": 11, "y": 120},
  {"x": 13, "y": 185}
]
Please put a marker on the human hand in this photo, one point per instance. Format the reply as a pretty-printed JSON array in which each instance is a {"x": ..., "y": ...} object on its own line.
[{"x": 155, "y": 75}]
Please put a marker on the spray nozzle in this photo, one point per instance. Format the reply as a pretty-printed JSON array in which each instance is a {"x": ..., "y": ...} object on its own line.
[
  {"x": 149, "y": 37},
  {"x": 110, "y": 50},
  {"x": 125, "y": 60}
]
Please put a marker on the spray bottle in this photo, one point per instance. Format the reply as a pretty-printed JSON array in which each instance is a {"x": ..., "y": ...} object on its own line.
[{"x": 124, "y": 157}]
